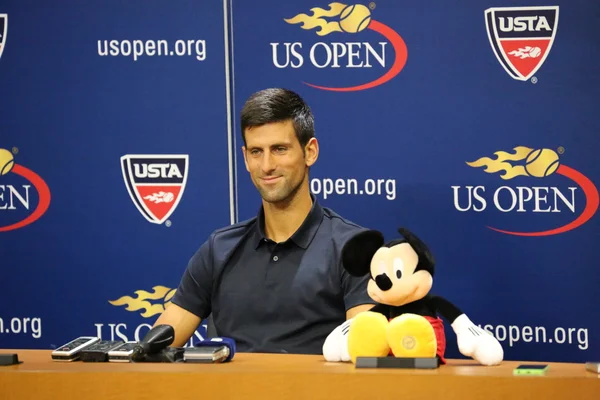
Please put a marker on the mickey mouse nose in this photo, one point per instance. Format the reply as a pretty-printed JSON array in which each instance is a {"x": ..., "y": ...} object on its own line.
[{"x": 383, "y": 282}]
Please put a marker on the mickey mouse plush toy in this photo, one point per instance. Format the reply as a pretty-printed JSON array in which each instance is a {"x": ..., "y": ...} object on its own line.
[{"x": 405, "y": 321}]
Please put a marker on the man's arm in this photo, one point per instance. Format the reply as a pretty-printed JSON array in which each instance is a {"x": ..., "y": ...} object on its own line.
[
  {"x": 356, "y": 297},
  {"x": 351, "y": 313},
  {"x": 191, "y": 302},
  {"x": 183, "y": 322}
]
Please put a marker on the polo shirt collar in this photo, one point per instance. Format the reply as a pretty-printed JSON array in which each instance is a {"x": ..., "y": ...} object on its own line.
[{"x": 305, "y": 233}]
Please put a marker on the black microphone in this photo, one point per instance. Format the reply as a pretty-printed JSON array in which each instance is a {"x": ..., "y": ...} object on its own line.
[{"x": 156, "y": 340}]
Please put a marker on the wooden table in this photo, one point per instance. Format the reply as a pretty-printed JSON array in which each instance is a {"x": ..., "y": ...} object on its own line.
[{"x": 280, "y": 376}]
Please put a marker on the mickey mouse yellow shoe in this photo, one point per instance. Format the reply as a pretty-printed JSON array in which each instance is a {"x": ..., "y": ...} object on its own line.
[
  {"x": 368, "y": 336},
  {"x": 411, "y": 335}
]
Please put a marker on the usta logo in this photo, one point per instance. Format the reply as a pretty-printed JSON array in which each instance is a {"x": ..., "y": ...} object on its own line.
[
  {"x": 536, "y": 163},
  {"x": 344, "y": 19},
  {"x": 155, "y": 183},
  {"x": 521, "y": 37},
  {"x": 15, "y": 197}
]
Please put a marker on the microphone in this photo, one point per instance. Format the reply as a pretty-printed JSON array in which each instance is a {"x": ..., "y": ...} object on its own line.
[
  {"x": 156, "y": 340},
  {"x": 219, "y": 341}
]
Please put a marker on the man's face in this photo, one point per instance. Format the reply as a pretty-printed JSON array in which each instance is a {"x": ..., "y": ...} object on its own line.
[{"x": 275, "y": 160}]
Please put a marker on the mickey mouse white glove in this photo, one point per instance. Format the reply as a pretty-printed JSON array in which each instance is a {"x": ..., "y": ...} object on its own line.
[
  {"x": 477, "y": 343},
  {"x": 335, "y": 348}
]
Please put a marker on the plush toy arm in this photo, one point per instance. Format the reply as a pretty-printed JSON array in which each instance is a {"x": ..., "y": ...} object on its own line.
[
  {"x": 446, "y": 308},
  {"x": 472, "y": 341},
  {"x": 335, "y": 348}
]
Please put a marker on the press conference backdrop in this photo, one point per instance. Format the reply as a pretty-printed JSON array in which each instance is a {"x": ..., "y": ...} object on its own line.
[{"x": 473, "y": 124}]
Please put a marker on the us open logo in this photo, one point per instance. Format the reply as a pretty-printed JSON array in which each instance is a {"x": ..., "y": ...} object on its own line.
[
  {"x": 532, "y": 168},
  {"x": 17, "y": 199},
  {"x": 350, "y": 46},
  {"x": 155, "y": 183},
  {"x": 521, "y": 37}
]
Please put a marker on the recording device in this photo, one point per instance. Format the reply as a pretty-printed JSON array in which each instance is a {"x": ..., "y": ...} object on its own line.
[
  {"x": 533, "y": 369},
  {"x": 98, "y": 352},
  {"x": 154, "y": 347},
  {"x": 593, "y": 367},
  {"x": 216, "y": 343},
  {"x": 207, "y": 354},
  {"x": 122, "y": 353},
  {"x": 70, "y": 351}
]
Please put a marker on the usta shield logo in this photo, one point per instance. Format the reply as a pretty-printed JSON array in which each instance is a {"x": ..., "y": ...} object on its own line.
[
  {"x": 521, "y": 37},
  {"x": 155, "y": 183},
  {"x": 3, "y": 29},
  {"x": 344, "y": 22},
  {"x": 15, "y": 193}
]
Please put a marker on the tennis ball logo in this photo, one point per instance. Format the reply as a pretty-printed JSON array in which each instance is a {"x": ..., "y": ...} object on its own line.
[
  {"x": 537, "y": 163},
  {"x": 7, "y": 161},
  {"x": 168, "y": 197},
  {"x": 535, "y": 52},
  {"x": 541, "y": 163},
  {"x": 338, "y": 18},
  {"x": 355, "y": 18}
]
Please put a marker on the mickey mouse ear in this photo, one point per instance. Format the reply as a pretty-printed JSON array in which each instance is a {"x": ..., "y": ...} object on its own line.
[
  {"x": 426, "y": 259},
  {"x": 359, "y": 250}
]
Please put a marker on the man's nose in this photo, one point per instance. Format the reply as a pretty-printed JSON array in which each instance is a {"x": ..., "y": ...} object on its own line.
[{"x": 268, "y": 163}]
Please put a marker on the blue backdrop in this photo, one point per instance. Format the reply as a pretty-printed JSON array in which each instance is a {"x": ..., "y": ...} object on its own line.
[{"x": 472, "y": 124}]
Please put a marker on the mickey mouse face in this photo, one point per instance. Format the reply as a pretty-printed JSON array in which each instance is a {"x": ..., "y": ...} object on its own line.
[{"x": 394, "y": 280}]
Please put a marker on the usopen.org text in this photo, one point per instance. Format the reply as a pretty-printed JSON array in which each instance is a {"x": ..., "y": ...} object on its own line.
[
  {"x": 539, "y": 334},
  {"x": 150, "y": 48},
  {"x": 350, "y": 186},
  {"x": 26, "y": 325}
]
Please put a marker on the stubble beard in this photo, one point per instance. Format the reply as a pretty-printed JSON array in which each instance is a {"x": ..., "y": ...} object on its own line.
[{"x": 285, "y": 193}]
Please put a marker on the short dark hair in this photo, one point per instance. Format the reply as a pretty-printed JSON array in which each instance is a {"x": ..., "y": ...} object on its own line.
[{"x": 277, "y": 105}]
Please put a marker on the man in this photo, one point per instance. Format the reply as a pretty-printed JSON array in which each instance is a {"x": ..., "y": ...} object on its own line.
[{"x": 273, "y": 283}]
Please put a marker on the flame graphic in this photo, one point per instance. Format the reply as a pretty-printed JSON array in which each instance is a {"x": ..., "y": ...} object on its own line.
[
  {"x": 141, "y": 301},
  {"x": 160, "y": 197},
  {"x": 526, "y": 52},
  {"x": 500, "y": 164},
  {"x": 315, "y": 20}
]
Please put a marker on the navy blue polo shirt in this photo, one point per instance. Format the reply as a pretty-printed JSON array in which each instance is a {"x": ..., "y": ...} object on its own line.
[{"x": 274, "y": 297}]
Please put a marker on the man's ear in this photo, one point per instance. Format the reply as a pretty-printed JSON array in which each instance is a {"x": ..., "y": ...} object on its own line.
[
  {"x": 311, "y": 151},
  {"x": 245, "y": 159},
  {"x": 359, "y": 251}
]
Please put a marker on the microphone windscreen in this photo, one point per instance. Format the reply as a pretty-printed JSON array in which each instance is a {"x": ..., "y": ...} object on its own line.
[{"x": 158, "y": 338}]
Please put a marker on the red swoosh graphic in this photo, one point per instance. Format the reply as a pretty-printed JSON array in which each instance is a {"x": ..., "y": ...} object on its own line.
[
  {"x": 401, "y": 57},
  {"x": 43, "y": 191},
  {"x": 591, "y": 195}
]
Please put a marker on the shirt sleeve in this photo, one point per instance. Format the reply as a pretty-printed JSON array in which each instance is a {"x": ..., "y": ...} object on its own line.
[
  {"x": 195, "y": 289},
  {"x": 355, "y": 290}
]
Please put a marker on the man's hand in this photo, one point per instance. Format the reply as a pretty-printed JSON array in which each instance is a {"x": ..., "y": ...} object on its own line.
[
  {"x": 351, "y": 313},
  {"x": 183, "y": 322}
]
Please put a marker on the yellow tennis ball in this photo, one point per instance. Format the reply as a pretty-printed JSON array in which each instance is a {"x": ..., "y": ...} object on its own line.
[
  {"x": 541, "y": 163},
  {"x": 7, "y": 161},
  {"x": 355, "y": 18}
]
